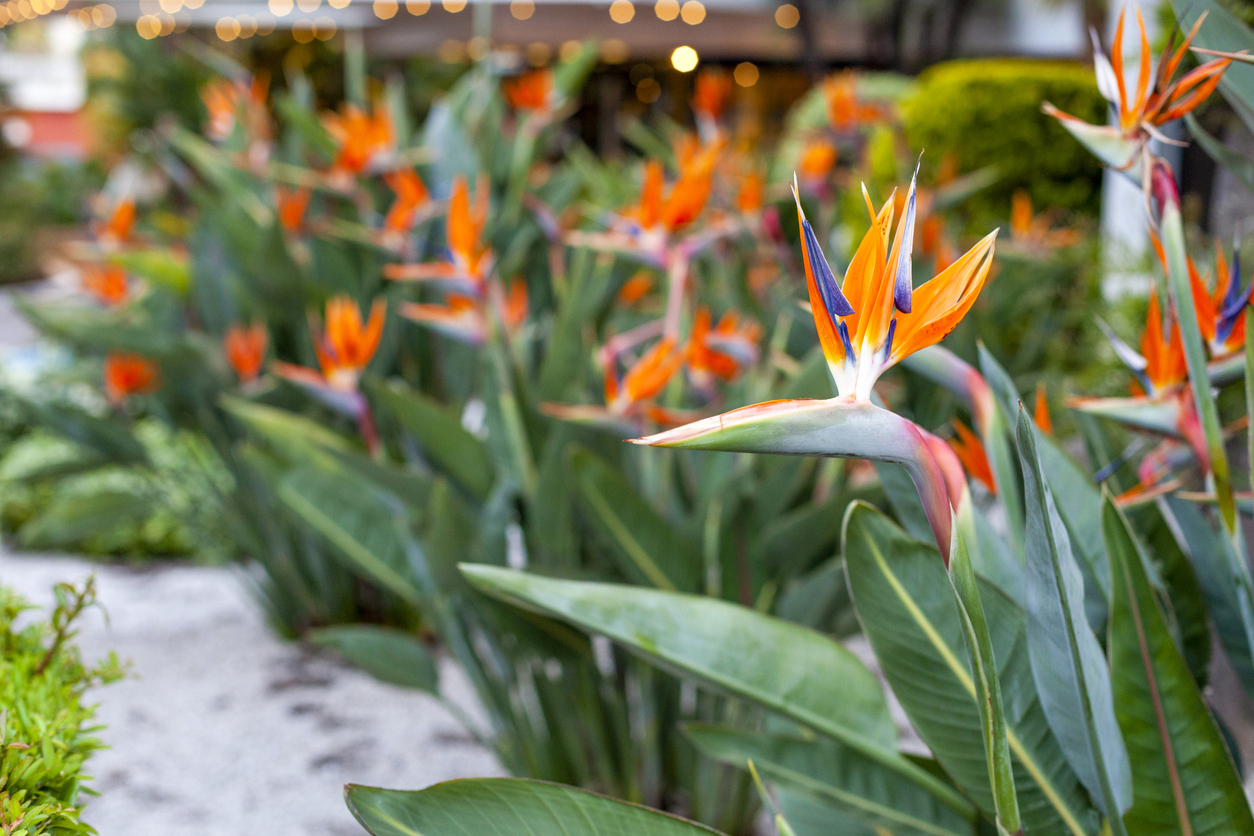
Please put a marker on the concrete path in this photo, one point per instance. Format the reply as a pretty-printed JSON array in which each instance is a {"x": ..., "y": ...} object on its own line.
[{"x": 222, "y": 729}]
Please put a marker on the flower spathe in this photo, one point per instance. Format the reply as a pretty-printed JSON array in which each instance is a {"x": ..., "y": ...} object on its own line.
[
  {"x": 878, "y": 317},
  {"x": 1221, "y": 311}
]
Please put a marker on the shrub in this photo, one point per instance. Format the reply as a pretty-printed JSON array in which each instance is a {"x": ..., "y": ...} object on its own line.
[
  {"x": 45, "y": 731},
  {"x": 988, "y": 112}
]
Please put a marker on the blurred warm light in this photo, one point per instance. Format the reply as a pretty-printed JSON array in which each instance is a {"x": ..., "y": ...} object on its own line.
[
  {"x": 787, "y": 16},
  {"x": 280, "y": 8},
  {"x": 4, "y": 16},
  {"x": 103, "y": 15},
  {"x": 302, "y": 31},
  {"x": 453, "y": 6},
  {"x": 148, "y": 27},
  {"x": 746, "y": 74},
  {"x": 193, "y": 4},
  {"x": 639, "y": 73},
  {"x": 570, "y": 50},
  {"x": 338, "y": 4},
  {"x": 247, "y": 26},
  {"x": 522, "y": 9},
  {"x": 324, "y": 28},
  {"x": 477, "y": 47},
  {"x": 167, "y": 24},
  {"x": 622, "y": 11},
  {"x": 693, "y": 12},
  {"x": 539, "y": 54},
  {"x": 308, "y": 5},
  {"x": 614, "y": 51},
  {"x": 684, "y": 59},
  {"x": 648, "y": 90},
  {"x": 227, "y": 28},
  {"x": 28, "y": 11},
  {"x": 666, "y": 9},
  {"x": 451, "y": 52},
  {"x": 40, "y": 8},
  {"x": 170, "y": 6},
  {"x": 417, "y": 7},
  {"x": 265, "y": 24},
  {"x": 385, "y": 9}
]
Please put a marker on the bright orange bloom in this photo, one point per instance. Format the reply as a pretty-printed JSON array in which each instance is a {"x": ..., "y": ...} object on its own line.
[
  {"x": 646, "y": 378},
  {"x": 970, "y": 451},
  {"x": 107, "y": 283},
  {"x": 844, "y": 110},
  {"x": 410, "y": 195},
  {"x": 686, "y": 199},
  {"x": 361, "y": 137},
  {"x": 634, "y": 289},
  {"x": 117, "y": 229},
  {"x": 1040, "y": 412},
  {"x": 1221, "y": 312},
  {"x": 344, "y": 349},
  {"x": 1164, "y": 356},
  {"x": 817, "y": 160},
  {"x": 245, "y": 350},
  {"x": 465, "y": 226},
  {"x": 291, "y": 204},
  {"x": 878, "y": 316},
  {"x": 531, "y": 91},
  {"x": 461, "y": 317},
  {"x": 1156, "y": 100},
  {"x": 749, "y": 200},
  {"x": 725, "y": 350},
  {"x": 221, "y": 99},
  {"x": 128, "y": 374},
  {"x": 713, "y": 89}
]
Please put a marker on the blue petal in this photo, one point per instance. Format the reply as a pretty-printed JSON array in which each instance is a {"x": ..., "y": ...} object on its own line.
[
  {"x": 1234, "y": 299},
  {"x": 835, "y": 302},
  {"x": 903, "y": 283}
]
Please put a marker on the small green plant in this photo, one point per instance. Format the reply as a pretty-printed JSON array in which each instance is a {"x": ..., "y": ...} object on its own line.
[{"x": 46, "y": 734}]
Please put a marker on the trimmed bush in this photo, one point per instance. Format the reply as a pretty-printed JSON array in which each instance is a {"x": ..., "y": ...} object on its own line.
[
  {"x": 45, "y": 729},
  {"x": 988, "y": 112}
]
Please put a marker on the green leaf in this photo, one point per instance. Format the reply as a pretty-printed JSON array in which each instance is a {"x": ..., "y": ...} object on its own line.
[
  {"x": 387, "y": 654},
  {"x": 1183, "y": 780},
  {"x": 294, "y": 436},
  {"x": 1067, "y": 662},
  {"x": 507, "y": 806},
  {"x": 1238, "y": 165},
  {"x": 159, "y": 266},
  {"x": 988, "y": 686},
  {"x": 997, "y": 438},
  {"x": 911, "y": 617},
  {"x": 1223, "y": 32},
  {"x": 70, "y": 518},
  {"x": 366, "y": 525},
  {"x": 637, "y": 532},
  {"x": 1205, "y": 548},
  {"x": 448, "y": 445},
  {"x": 109, "y": 439},
  {"x": 836, "y": 774},
  {"x": 732, "y": 648},
  {"x": 904, "y": 500}
]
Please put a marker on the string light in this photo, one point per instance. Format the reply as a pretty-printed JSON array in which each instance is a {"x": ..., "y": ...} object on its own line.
[
  {"x": 684, "y": 59},
  {"x": 746, "y": 74}
]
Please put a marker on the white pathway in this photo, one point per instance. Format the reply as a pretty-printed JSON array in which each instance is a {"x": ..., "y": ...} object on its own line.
[{"x": 223, "y": 729}]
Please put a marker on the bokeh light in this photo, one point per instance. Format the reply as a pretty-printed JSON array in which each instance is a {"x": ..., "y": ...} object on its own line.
[
  {"x": 684, "y": 59},
  {"x": 385, "y": 9},
  {"x": 746, "y": 74},
  {"x": 622, "y": 11},
  {"x": 648, "y": 90},
  {"x": 522, "y": 9},
  {"x": 693, "y": 12},
  {"x": 417, "y": 8},
  {"x": 666, "y": 9},
  {"x": 787, "y": 16}
]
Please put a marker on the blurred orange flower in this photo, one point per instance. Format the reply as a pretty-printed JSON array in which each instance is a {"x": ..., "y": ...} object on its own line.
[
  {"x": 291, "y": 204},
  {"x": 245, "y": 350},
  {"x": 531, "y": 91},
  {"x": 128, "y": 374},
  {"x": 107, "y": 283}
]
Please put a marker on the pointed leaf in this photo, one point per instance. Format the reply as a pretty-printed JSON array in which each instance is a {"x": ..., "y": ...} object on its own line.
[
  {"x": 732, "y": 648},
  {"x": 1067, "y": 662},
  {"x": 1182, "y": 777},
  {"x": 508, "y": 806},
  {"x": 387, "y": 654},
  {"x": 911, "y": 617},
  {"x": 838, "y": 775}
]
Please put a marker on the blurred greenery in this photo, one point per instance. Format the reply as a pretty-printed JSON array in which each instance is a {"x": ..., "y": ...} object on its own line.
[{"x": 988, "y": 112}]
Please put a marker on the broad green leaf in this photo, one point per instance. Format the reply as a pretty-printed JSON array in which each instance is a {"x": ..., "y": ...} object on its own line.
[
  {"x": 1068, "y": 665},
  {"x": 794, "y": 541},
  {"x": 996, "y": 428},
  {"x": 1205, "y": 549},
  {"x": 448, "y": 445},
  {"x": 810, "y": 816},
  {"x": 159, "y": 266},
  {"x": 108, "y": 438},
  {"x": 732, "y": 648},
  {"x": 877, "y": 797},
  {"x": 365, "y": 524},
  {"x": 988, "y": 686},
  {"x": 508, "y": 807},
  {"x": 647, "y": 546},
  {"x": 904, "y": 500},
  {"x": 1183, "y": 780},
  {"x": 294, "y": 436},
  {"x": 911, "y": 617},
  {"x": 387, "y": 654}
]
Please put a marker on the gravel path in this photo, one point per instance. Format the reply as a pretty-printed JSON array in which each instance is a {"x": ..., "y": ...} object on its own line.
[{"x": 222, "y": 729}]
